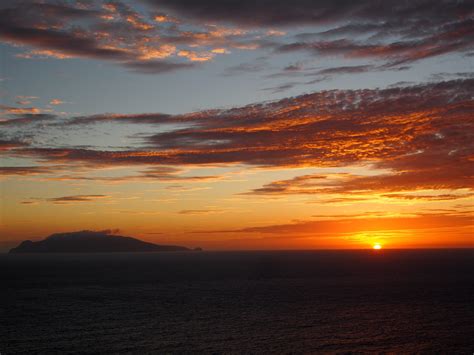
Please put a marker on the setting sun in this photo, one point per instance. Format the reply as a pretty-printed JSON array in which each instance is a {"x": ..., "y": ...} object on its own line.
[{"x": 377, "y": 246}]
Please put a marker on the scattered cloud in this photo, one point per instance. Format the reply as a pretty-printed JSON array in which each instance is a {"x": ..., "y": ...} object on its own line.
[
  {"x": 25, "y": 100},
  {"x": 73, "y": 199},
  {"x": 257, "y": 65},
  {"x": 163, "y": 174},
  {"x": 10, "y": 144},
  {"x": 19, "y": 110},
  {"x": 156, "y": 66},
  {"x": 23, "y": 170},
  {"x": 114, "y": 32},
  {"x": 64, "y": 200},
  {"x": 395, "y": 32},
  {"x": 27, "y": 119},
  {"x": 280, "y": 88},
  {"x": 168, "y": 36},
  {"x": 416, "y": 129},
  {"x": 352, "y": 225}
]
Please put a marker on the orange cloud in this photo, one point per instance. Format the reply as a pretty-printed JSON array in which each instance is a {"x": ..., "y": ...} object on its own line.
[
  {"x": 24, "y": 170},
  {"x": 409, "y": 141},
  {"x": 114, "y": 32},
  {"x": 75, "y": 198},
  {"x": 195, "y": 56},
  {"x": 344, "y": 226},
  {"x": 56, "y": 102},
  {"x": 20, "y": 110}
]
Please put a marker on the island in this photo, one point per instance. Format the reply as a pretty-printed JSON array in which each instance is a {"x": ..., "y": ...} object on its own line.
[{"x": 91, "y": 242}]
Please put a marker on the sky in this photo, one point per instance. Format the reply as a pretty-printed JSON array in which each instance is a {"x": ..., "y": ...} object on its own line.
[{"x": 239, "y": 125}]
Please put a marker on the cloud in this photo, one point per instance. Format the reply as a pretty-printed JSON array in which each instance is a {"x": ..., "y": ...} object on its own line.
[
  {"x": 75, "y": 199},
  {"x": 352, "y": 225},
  {"x": 413, "y": 137},
  {"x": 25, "y": 100},
  {"x": 157, "y": 118},
  {"x": 456, "y": 38},
  {"x": 27, "y": 118},
  {"x": 19, "y": 110},
  {"x": 399, "y": 32},
  {"x": 256, "y": 14},
  {"x": 353, "y": 69},
  {"x": 15, "y": 29},
  {"x": 56, "y": 102},
  {"x": 257, "y": 65},
  {"x": 280, "y": 88},
  {"x": 433, "y": 197},
  {"x": 71, "y": 173},
  {"x": 299, "y": 71},
  {"x": 24, "y": 170},
  {"x": 178, "y": 35},
  {"x": 65, "y": 200},
  {"x": 362, "y": 16},
  {"x": 9, "y": 144},
  {"x": 304, "y": 184},
  {"x": 393, "y": 185},
  {"x": 29, "y": 202},
  {"x": 157, "y": 66},
  {"x": 114, "y": 32},
  {"x": 14, "y": 116}
]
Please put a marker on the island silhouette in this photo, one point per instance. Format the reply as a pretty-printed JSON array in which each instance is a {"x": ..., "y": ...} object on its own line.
[{"x": 91, "y": 242}]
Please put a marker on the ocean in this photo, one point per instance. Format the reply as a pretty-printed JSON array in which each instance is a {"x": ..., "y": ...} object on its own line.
[{"x": 388, "y": 301}]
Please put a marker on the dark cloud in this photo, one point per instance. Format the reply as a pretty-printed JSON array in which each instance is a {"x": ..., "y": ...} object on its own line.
[
  {"x": 171, "y": 174},
  {"x": 304, "y": 184},
  {"x": 113, "y": 33},
  {"x": 280, "y": 88},
  {"x": 27, "y": 118},
  {"x": 353, "y": 69},
  {"x": 259, "y": 13},
  {"x": 451, "y": 37},
  {"x": 148, "y": 40},
  {"x": 397, "y": 31},
  {"x": 13, "y": 28},
  {"x": 75, "y": 199},
  {"x": 164, "y": 174},
  {"x": 325, "y": 12},
  {"x": 151, "y": 118},
  {"x": 157, "y": 66},
  {"x": 66, "y": 200},
  {"x": 293, "y": 68},
  {"x": 23, "y": 170},
  {"x": 326, "y": 74},
  {"x": 440, "y": 197},
  {"x": 450, "y": 76},
  {"x": 9, "y": 144},
  {"x": 58, "y": 10},
  {"x": 359, "y": 188},
  {"x": 257, "y": 65},
  {"x": 244, "y": 68}
]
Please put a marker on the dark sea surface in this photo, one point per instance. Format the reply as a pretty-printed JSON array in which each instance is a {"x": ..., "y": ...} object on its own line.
[{"x": 395, "y": 301}]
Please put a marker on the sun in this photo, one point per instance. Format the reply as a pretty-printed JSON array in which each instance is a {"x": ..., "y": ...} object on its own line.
[{"x": 377, "y": 246}]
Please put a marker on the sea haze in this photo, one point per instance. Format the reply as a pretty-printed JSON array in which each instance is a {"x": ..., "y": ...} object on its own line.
[{"x": 290, "y": 301}]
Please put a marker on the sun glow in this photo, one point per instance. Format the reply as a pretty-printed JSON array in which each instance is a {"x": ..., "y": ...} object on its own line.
[{"x": 377, "y": 246}]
